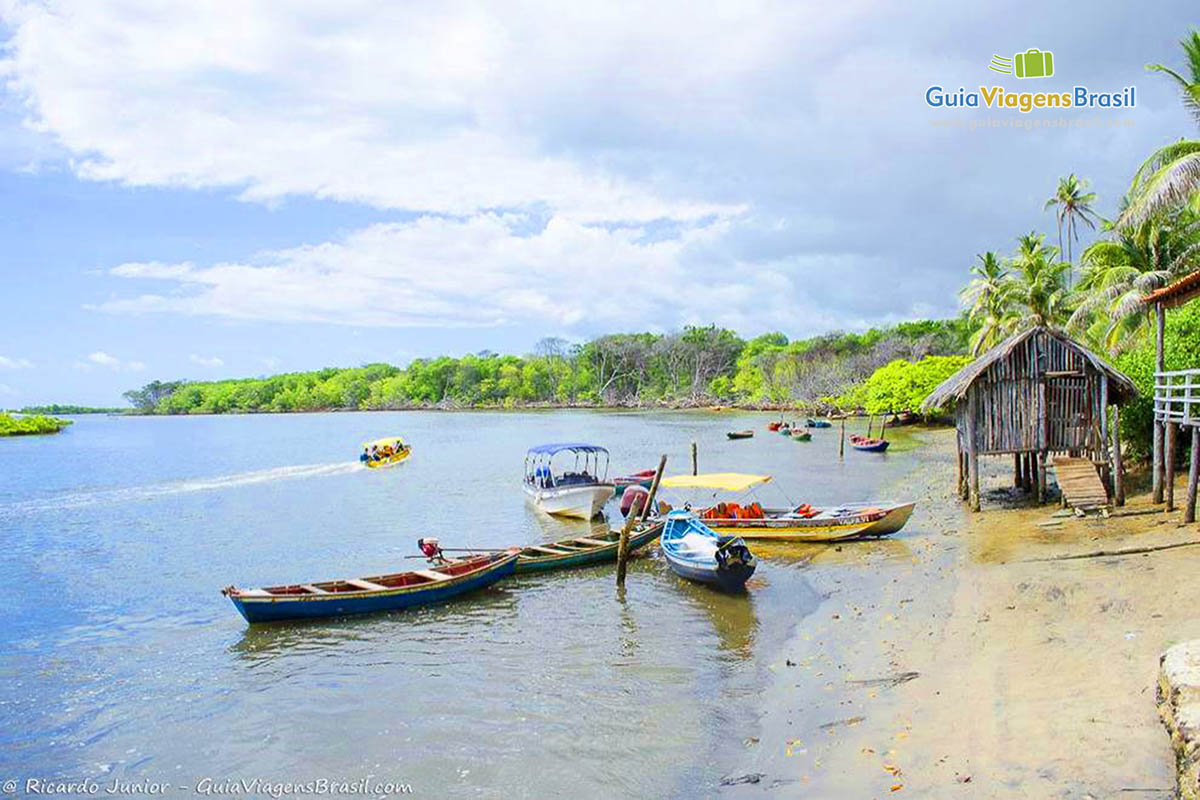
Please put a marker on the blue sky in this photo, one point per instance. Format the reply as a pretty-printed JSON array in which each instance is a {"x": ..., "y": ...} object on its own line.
[{"x": 204, "y": 193}]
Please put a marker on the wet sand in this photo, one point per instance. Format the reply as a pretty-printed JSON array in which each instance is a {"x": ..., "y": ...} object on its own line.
[{"x": 961, "y": 659}]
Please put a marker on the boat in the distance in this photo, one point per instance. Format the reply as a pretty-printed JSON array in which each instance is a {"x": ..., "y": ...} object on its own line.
[
  {"x": 774, "y": 427},
  {"x": 802, "y": 523},
  {"x": 801, "y": 435},
  {"x": 643, "y": 478},
  {"x": 747, "y": 434},
  {"x": 374, "y": 593},
  {"x": 576, "y": 551},
  {"x": 869, "y": 444},
  {"x": 578, "y": 489},
  {"x": 818, "y": 423},
  {"x": 385, "y": 452},
  {"x": 699, "y": 554}
]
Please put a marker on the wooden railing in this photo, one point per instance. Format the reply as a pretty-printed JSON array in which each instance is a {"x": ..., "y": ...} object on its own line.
[{"x": 1177, "y": 397}]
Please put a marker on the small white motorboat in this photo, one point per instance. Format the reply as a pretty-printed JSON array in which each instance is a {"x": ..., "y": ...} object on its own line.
[{"x": 577, "y": 490}]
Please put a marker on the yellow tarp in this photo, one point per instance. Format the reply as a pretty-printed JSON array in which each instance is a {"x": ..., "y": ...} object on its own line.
[
  {"x": 725, "y": 481},
  {"x": 388, "y": 442}
]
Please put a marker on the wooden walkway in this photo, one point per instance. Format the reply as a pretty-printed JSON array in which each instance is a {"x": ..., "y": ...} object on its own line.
[{"x": 1080, "y": 483}]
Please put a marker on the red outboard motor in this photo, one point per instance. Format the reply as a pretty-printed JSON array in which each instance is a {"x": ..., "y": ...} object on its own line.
[
  {"x": 631, "y": 494},
  {"x": 429, "y": 546}
]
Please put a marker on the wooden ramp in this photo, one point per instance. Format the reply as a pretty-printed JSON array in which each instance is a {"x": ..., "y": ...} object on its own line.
[{"x": 1080, "y": 483}]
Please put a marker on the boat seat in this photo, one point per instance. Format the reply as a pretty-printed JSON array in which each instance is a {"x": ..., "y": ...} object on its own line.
[
  {"x": 431, "y": 575},
  {"x": 312, "y": 589},
  {"x": 254, "y": 593},
  {"x": 541, "y": 549},
  {"x": 597, "y": 542},
  {"x": 370, "y": 587}
]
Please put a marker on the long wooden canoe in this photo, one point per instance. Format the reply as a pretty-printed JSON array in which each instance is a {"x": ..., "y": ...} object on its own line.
[
  {"x": 579, "y": 551},
  {"x": 856, "y": 521},
  {"x": 374, "y": 593}
]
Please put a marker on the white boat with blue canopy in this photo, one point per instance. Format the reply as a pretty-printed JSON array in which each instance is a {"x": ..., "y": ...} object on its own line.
[{"x": 572, "y": 485}]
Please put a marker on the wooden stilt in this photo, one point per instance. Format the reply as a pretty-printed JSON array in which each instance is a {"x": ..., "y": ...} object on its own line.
[
  {"x": 1169, "y": 478},
  {"x": 1041, "y": 478},
  {"x": 695, "y": 460},
  {"x": 972, "y": 459},
  {"x": 1189, "y": 511},
  {"x": 1118, "y": 466},
  {"x": 1159, "y": 366},
  {"x": 1017, "y": 470}
]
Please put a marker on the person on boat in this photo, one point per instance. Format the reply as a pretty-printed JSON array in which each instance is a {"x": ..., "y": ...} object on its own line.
[{"x": 366, "y": 455}]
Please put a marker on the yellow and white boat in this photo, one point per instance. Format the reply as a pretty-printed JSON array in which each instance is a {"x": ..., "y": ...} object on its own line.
[
  {"x": 393, "y": 450},
  {"x": 802, "y": 524}
]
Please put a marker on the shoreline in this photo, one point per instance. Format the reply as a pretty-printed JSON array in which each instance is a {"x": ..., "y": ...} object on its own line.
[{"x": 984, "y": 655}]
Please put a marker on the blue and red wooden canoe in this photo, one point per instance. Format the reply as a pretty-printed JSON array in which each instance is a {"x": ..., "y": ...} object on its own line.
[
  {"x": 869, "y": 445},
  {"x": 375, "y": 593}
]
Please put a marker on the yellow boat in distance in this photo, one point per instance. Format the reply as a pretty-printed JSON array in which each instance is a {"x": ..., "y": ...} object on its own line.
[
  {"x": 384, "y": 452},
  {"x": 803, "y": 523}
]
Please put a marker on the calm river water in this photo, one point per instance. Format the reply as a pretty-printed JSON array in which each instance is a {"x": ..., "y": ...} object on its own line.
[{"x": 121, "y": 659}]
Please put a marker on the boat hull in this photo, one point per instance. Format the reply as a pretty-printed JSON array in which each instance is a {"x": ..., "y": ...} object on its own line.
[
  {"x": 702, "y": 566},
  {"x": 388, "y": 462},
  {"x": 257, "y": 609},
  {"x": 579, "y": 502},
  {"x": 533, "y": 561},
  {"x": 815, "y": 529}
]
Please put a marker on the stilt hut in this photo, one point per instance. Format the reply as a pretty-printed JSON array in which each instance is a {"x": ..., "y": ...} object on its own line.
[{"x": 1036, "y": 393}]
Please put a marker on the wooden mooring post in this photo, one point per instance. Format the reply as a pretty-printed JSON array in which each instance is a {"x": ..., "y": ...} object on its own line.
[
  {"x": 1189, "y": 511},
  {"x": 623, "y": 544},
  {"x": 636, "y": 517},
  {"x": 695, "y": 460},
  {"x": 1169, "y": 456},
  {"x": 842, "y": 440}
]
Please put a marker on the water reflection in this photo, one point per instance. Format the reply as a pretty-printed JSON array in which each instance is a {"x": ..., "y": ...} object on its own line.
[{"x": 468, "y": 615}]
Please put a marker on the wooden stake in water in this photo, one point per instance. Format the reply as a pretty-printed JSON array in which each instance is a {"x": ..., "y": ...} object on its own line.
[
  {"x": 635, "y": 517},
  {"x": 695, "y": 460},
  {"x": 623, "y": 544},
  {"x": 842, "y": 440}
]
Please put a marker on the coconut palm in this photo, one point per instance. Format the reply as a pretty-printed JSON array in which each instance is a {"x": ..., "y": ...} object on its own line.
[
  {"x": 1170, "y": 177},
  {"x": 1120, "y": 271},
  {"x": 1037, "y": 286},
  {"x": 985, "y": 298},
  {"x": 1074, "y": 204}
]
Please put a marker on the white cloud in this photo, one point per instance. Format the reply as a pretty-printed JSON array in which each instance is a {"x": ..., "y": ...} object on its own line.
[
  {"x": 15, "y": 363},
  {"x": 103, "y": 359},
  {"x": 206, "y": 361},
  {"x": 450, "y": 108},
  {"x": 484, "y": 270}
]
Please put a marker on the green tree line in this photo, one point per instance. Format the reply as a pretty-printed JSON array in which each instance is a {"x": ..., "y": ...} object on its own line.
[{"x": 693, "y": 367}]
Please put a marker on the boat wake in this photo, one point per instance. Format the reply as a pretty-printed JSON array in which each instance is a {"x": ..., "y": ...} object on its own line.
[{"x": 131, "y": 494}]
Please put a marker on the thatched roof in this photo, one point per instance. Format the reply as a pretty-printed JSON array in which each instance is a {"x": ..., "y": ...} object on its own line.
[{"x": 1120, "y": 387}]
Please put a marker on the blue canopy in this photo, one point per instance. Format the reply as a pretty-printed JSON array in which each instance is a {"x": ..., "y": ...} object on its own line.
[{"x": 575, "y": 447}]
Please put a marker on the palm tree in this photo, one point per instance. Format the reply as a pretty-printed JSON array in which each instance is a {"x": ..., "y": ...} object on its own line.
[
  {"x": 1170, "y": 177},
  {"x": 1037, "y": 287},
  {"x": 986, "y": 298},
  {"x": 1074, "y": 204},
  {"x": 1121, "y": 270}
]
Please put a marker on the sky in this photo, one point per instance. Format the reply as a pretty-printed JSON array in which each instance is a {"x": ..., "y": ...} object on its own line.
[{"x": 228, "y": 189}]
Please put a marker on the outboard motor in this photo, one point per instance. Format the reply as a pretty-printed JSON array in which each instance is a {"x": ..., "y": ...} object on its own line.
[
  {"x": 631, "y": 494},
  {"x": 430, "y": 548},
  {"x": 733, "y": 554}
]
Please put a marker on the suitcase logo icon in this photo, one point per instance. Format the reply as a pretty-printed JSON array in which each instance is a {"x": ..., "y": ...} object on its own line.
[{"x": 1033, "y": 63}]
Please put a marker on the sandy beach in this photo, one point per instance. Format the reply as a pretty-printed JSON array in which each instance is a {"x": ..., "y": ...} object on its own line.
[{"x": 988, "y": 661}]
